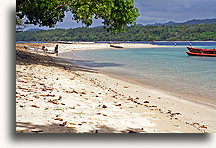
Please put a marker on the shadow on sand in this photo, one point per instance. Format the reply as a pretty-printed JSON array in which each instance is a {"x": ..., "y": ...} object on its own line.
[{"x": 29, "y": 58}]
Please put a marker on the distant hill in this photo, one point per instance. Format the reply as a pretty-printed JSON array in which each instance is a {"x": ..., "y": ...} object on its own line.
[
  {"x": 189, "y": 22},
  {"x": 36, "y": 29},
  {"x": 104, "y": 26},
  {"x": 194, "y": 32}
]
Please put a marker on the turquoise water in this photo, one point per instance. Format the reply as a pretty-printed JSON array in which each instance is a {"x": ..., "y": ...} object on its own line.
[{"x": 166, "y": 68}]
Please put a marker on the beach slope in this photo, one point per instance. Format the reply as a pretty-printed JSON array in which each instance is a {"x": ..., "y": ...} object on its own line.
[{"x": 55, "y": 96}]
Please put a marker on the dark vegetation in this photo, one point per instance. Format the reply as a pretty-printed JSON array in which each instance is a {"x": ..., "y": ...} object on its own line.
[
  {"x": 116, "y": 14},
  {"x": 194, "y": 32}
]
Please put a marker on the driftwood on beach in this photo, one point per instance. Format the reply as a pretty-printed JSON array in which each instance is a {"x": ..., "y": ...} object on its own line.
[{"x": 38, "y": 50}]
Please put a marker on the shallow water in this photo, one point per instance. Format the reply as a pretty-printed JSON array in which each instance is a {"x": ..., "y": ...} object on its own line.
[{"x": 167, "y": 68}]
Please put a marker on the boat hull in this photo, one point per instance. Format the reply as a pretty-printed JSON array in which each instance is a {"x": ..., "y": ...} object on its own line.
[
  {"x": 200, "y": 54},
  {"x": 197, "y": 50},
  {"x": 201, "y": 50},
  {"x": 114, "y": 46}
]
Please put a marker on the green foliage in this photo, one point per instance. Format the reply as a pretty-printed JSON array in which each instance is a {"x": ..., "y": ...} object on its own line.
[
  {"x": 117, "y": 14},
  {"x": 200, "y": 32}
]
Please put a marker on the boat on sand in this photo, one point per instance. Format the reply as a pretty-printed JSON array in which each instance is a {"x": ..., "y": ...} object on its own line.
[{"x": 115, "y": 46}]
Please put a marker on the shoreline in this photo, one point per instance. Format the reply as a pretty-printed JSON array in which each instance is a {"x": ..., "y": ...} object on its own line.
[
  {"x": 164, "y": 106},
  {"x": 179, "y": 100},
  {"x": 87, "y": 46},
  {"x": 137, "y": 82},
  {"x": 189, "y": 97}
]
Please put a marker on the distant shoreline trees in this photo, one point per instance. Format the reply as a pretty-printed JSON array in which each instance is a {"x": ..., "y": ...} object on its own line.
[{"x": 198, "y": 32}]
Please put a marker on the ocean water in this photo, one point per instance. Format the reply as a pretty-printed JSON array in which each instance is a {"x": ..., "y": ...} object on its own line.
[{"x": 166, "y": 68}]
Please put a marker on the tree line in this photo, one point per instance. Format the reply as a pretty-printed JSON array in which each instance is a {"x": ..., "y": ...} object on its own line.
[{"x": 196, "y": 32}]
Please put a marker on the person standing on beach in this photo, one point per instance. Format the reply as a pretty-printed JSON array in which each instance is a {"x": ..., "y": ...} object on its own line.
[
  {"x": 56, "y": 50},
  {"x": 44, "y": 49}
]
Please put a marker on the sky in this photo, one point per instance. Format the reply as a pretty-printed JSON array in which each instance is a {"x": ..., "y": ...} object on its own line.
[{"x": 156, "y": 11}]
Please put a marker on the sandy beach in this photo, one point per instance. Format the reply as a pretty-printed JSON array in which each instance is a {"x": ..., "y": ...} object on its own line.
[
  {"x": 55, "y": 96},
  {"x": 85, "y": 45}
]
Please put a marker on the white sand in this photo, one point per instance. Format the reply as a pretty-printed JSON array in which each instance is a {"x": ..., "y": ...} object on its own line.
[
  {"x": 52, "y": 98},
  {"x": 85, "y": 46}
]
